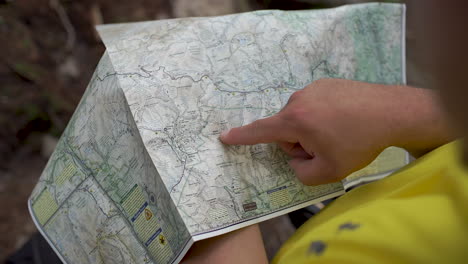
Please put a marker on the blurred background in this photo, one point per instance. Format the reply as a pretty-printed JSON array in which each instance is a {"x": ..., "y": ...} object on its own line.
[{"x": 49, "y": 49}]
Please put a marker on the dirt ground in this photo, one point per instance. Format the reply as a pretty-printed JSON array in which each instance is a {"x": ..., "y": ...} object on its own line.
[{"x": 48, "y": 51}]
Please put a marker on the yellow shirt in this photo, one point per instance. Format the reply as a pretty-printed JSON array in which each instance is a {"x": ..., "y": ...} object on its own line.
[{"x": 416, "y": 215}]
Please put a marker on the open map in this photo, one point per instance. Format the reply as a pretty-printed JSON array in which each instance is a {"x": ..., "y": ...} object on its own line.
[{"x": 139, "y": 174}]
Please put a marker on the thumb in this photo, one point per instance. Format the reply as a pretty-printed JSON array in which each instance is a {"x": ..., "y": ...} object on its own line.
[
  {"x": 265, "y": 130},
  {"x": 314, "y": 171}
]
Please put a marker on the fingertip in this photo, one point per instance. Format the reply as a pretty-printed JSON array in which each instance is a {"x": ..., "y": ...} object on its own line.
[{"x": 223, "y": 136}]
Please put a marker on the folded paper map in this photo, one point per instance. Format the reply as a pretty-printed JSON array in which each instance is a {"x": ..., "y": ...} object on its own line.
[{"x": 139, "y": 174}]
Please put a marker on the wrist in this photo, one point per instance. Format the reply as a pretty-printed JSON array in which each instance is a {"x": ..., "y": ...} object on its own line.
[{"x": 419, "y": 124}]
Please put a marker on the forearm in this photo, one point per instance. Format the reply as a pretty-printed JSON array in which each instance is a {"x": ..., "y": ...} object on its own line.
[
  {"x": 334, "y": 127},
  {"x": 240, "y": 246},
  {"x": 417, "y": 121}
]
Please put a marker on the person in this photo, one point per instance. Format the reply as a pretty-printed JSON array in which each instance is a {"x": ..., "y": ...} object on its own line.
[{"x": 417, "y": 215}]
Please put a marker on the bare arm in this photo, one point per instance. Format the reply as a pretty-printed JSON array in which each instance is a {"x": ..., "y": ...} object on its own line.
[
  {"x": 330, "y": 129},
  {"x": 419, "y": 123},
  {"x": 334, "y": 127},
  {"x": 241, "y": 246}
]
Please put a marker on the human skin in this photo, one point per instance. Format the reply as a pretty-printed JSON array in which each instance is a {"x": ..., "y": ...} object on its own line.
[
  {"x": 331, "y": 128},
  {"x": 334, "y": 127},
  {"x": 440, "y": 34},
  {"x": 241, "y": 246}
]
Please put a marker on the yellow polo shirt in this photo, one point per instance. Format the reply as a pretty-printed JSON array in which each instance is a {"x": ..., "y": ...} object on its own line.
[{"x": 417, "y": 215}]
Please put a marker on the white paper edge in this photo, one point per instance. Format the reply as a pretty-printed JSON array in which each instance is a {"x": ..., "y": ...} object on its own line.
[
  {"x": 52, "y": 245},
  {"x": 265, "y": 217},
  {"x": 365, "y": 179},
  {"x": 39, "y": 227},
  {"x": 408, "y": 157},
  {"x": 269, "y": 216},
  {"x": 184, "y": 251}
]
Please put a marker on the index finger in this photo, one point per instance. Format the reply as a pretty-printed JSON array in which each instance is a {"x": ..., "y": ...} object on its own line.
[{"x": 267, "y": 130}]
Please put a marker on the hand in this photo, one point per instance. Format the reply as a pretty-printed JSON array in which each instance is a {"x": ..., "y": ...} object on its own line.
[{"x": 334, "y": 127}]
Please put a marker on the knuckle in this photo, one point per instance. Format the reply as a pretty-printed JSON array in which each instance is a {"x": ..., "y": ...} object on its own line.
[
  {"x": 294, "y": 96},
  {"x": 319, "y": 84},
  {"x": 322, "y": 81},
  {"x": 296, "y": 114}
]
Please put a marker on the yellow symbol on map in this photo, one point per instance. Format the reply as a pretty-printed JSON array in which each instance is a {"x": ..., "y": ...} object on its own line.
[
  {"x": 162, "y": 240},
  {"x": 148, "y": 214}
]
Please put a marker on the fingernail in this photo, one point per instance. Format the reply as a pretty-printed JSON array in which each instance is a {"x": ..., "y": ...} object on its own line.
[{"x": 223, "y": 134}]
